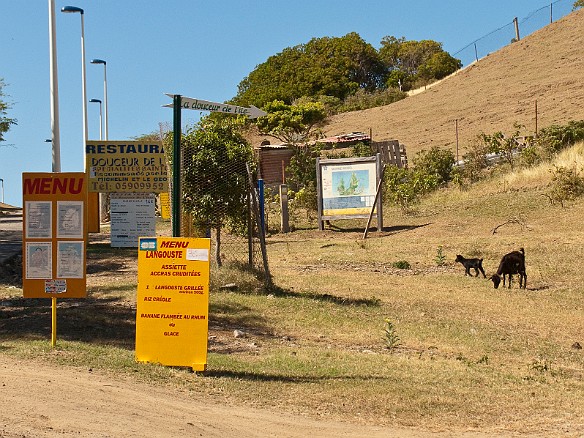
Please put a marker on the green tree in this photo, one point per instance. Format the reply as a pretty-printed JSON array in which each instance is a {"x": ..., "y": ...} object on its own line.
[
  {"x": 336, "y": 67},
  {"x": 578, "y": 4},
  {"x": 292, "y": 124},
  {"x": 5, "y": 121},
  {"x": 409, "y": 63},
  {"x": 215, "y": 183},
  {"x": 298, "y": 126}
]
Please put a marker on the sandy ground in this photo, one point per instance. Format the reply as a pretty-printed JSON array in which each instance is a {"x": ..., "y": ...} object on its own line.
[{"x": 43, "y": 401}]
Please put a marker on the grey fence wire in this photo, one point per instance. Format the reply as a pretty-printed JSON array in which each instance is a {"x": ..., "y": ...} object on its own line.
[
  {"x": 236, "y": 245},
  {"x": 505, "y": 35}
]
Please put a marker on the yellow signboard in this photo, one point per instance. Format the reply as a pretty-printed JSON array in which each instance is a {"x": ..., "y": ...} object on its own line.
[
  {"x": 173, "y": 301},
  {"x": 164, "y": 205},
  {"x": 126, "y": 166},
  {"x": 54, "y": 235}
]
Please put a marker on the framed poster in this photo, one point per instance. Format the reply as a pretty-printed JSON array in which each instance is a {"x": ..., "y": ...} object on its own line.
[
  {"x": 39, "y": 219},
  {"x": 347, "y": 188}
]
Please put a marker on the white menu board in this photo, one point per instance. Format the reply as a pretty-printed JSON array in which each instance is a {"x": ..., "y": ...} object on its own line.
[{"x": 132, "y": 216}]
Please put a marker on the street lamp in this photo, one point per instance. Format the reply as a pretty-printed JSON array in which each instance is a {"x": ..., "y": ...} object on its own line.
[
  {"x": 55, "y": 138},
  {"x": 100, "y": 118},
  {"x": 103, "y": 197},
  {"x": 74, "y": 9},
  {"x": 101, "y": 61}
]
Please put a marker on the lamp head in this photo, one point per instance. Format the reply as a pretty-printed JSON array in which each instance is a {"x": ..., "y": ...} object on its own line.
[
  {"x": 95, "y": 100},
  {"x": 70, "y": 9},
  {"x": 98, "y": 61}
]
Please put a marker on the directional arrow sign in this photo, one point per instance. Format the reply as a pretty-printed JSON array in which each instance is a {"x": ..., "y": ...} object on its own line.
[{"x": 204, "y": 105}]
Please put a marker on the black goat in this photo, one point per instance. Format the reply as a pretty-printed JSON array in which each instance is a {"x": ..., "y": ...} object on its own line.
[
  {"x": 512, "y": 263},
  {"x": 476, "y": 264}
]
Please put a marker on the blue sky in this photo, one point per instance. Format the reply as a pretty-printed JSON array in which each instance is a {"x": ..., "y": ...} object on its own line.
[{"x": 199, "y": 49}]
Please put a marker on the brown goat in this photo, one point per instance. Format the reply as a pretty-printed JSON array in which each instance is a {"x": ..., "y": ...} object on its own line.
[{"x": 511, "y": 263}]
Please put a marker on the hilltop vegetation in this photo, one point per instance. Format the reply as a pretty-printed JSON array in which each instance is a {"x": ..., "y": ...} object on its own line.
[{"x": 332, "y": 70}]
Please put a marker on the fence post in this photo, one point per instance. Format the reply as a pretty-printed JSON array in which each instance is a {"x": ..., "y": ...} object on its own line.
[
  {"x": 551, "y": 13},
  {"x": 176, "y": 158},
  {"x": 284, "y": 220},
  {"x": 261, "y": 200},
  {"x": 262, "y": 236},
  {"x": 516, "y": 29}
]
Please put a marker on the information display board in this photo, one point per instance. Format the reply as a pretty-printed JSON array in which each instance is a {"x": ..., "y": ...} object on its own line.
[
  {"x": 173, "y": 301},
  {"x": 126, "y": 166},
  {"x": 54, "y": 235},
  {"x": 132, "y": 215},
  {"x": 347, "y": 188}
]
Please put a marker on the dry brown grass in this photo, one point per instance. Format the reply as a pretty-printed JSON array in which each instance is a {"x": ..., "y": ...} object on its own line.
[{"x": 470, "y": 358}]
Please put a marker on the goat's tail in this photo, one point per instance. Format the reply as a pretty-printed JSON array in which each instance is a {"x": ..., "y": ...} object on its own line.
[{"x": 522, "y": 251}]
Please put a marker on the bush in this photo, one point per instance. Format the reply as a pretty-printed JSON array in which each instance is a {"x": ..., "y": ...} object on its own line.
[
  {"x": 505, "y": 146},
  {"x": 475, "y": 160},
  {"x": 405, "y": 187},
  {"x": 401, "y": 264},
  {"x": 363, "y": 100},
  {"x": 361, "y": 149},
  {"x": 566, "y": 185},
  {"x": 554, "y": 138},
  {"x": 437, "y": 162}
]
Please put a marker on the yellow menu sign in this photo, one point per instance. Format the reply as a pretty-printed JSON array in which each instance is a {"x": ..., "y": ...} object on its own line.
[
  {"x": 54, "y": 235},
  {"x": 173, "y": 301}
]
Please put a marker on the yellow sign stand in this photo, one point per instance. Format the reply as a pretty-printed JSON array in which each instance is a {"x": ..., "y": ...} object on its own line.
[
  {"x": 173, "y": 301},
  {"x": 54, "y": 238},
  {"x": 164, "y": 205}
]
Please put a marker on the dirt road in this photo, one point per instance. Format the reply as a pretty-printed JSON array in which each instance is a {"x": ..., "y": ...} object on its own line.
[{"x": 38, "y": 400}]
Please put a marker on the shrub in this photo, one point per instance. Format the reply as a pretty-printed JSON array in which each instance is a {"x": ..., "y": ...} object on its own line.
[
  {"x": 391, "y": 337},
  {"x": 554, "y": 138},
  {"x": 475, "y": 160},
  {"x": 505, "y": 146},
  {"x": 401, "y": 264},
  {"x": 440, "y": 257},
  {"x": 566, "y": 185},
  {"x": 405, "y": 187},
  {"x": 361, "y": 149},
  {"x": 363, "y": 100},
  {"x": 437, "y": 162}
]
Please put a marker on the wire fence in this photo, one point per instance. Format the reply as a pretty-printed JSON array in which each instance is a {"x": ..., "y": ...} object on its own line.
[
  {"x": 505, "y": 35},
  {"x": 224, "y": 191}
]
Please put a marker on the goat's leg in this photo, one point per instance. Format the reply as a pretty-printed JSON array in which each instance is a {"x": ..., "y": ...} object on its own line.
[{"x": 482, "y": 271}]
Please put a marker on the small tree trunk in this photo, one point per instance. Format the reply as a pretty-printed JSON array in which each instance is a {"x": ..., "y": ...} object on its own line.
[{"x": 218, "y": 246}]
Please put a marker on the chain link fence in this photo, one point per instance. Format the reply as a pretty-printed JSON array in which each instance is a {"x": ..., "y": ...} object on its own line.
[
  {"x": 505, "y": 35},
  {"x": 226, "y": 190}
]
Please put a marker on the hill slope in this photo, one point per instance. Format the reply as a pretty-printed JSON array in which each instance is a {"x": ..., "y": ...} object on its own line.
[{"x": 488, "y": 96}]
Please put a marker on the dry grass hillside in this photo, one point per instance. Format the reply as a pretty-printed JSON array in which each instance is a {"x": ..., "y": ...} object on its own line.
[{"x": 488, "y": 96}]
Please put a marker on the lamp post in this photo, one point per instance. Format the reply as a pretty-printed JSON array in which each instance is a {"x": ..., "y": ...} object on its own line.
[
  {"x": 103, "y": 197},
  {"x": 55, "y": 137},
  {"x": 74, "y": 9},
  {"x": 100, "y": 116},
  {"x": 101, "y": 61}
]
